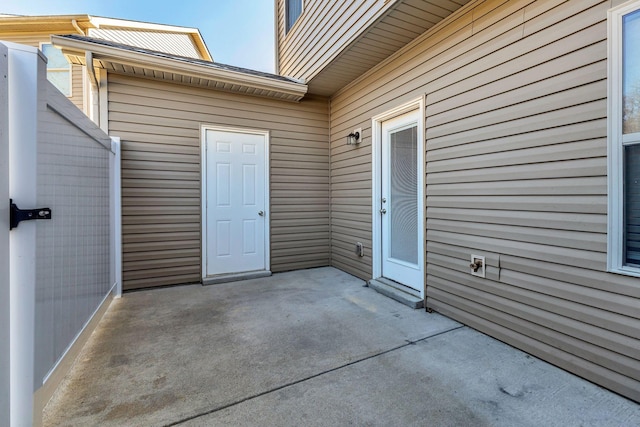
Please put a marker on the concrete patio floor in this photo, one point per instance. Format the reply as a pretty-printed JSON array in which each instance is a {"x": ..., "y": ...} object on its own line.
[{"x": 311, "y": 348}]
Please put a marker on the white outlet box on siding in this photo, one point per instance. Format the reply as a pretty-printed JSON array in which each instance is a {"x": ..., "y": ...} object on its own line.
[{"x": 480, "y": 271}]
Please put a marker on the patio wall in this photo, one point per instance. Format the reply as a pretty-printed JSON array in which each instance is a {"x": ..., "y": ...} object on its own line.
[
  {"x": 159, "y": 125},
  {"x": 516, "y": 170}
]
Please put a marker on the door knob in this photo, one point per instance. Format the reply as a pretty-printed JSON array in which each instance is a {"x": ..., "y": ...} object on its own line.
[
  {"x": 261, "y": 213},
  {"x": 383, "y": 211}
]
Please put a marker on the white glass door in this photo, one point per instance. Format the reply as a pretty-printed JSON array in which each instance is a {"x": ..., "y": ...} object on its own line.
[{"x": 401, "y": 217}]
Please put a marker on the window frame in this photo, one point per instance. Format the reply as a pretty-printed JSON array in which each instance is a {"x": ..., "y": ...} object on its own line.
[
  {"x": 617, "y": 141},
  {"x": 69, "y": 69},
  {"x": 287, "y": 28}
]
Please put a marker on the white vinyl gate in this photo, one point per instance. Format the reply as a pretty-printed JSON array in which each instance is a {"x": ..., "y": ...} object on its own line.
[{"x": 60, "y": 271}]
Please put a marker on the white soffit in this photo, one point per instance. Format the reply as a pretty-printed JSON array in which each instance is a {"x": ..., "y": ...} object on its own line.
[{"x": 403, "y": 22}]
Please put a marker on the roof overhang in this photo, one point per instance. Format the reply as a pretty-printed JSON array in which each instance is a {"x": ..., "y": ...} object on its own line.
[
  {"x": 402, "y": 22},
  {"x": 81, "y": 24},
  {"x": 45, "y": 24},
  {"x": 123, "y": 60}
]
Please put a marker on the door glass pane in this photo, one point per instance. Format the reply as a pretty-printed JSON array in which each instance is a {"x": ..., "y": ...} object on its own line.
[
  {"x": 404, "y": 194},
  {"x": 631, "y": 73},
  {"x": 632, "y": 205}
]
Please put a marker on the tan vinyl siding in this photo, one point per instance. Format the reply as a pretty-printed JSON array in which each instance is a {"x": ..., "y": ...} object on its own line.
[
  {"x": 320, "y": 32},
  {"x": 77, "y": 89},
  {"x": 516, "y": 170},
  {"x": 333, "y": 43},
  {"x": 35, "y": 40},
  {"x": 403, "y": 22},
  {"x": 159, "y": 124}
]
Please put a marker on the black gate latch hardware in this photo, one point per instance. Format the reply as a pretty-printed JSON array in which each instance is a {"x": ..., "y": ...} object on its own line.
[{"x": 18, "y": 215}]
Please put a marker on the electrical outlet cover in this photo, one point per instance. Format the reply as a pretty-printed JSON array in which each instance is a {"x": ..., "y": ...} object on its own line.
[{"x": 481, "y": 271}]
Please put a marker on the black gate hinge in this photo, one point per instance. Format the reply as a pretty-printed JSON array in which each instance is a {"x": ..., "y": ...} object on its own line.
[{"x": 18, "y": 215}]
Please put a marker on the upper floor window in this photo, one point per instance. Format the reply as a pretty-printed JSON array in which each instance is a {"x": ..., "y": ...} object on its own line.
[
  {"x": 624, "y": 138},
  {"x": 58, "y": 68},
  {"x": 293, "y": 10}
]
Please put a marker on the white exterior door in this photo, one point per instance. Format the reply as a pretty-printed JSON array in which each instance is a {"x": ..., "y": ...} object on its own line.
[
  {"x": 401, "y": 218},
  {"x": 236, "y": 215}
]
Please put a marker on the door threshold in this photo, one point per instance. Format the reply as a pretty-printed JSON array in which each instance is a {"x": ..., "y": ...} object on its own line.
[
  {"x": 397, "y": 291},
  {"x": 234, "y": 277}
]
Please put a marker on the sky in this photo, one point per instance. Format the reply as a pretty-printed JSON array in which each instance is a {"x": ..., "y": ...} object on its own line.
[{"x": 237, "y": 32}]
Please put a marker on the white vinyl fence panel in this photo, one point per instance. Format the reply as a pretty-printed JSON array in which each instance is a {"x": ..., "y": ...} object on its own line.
[{"x": 73, "y": 248}]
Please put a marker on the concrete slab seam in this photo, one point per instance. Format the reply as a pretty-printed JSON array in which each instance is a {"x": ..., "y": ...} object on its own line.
[{"x": 302, "y": 380}]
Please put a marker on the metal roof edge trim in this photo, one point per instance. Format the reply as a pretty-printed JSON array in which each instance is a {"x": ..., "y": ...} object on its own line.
[{"x": 128, "y": 57}]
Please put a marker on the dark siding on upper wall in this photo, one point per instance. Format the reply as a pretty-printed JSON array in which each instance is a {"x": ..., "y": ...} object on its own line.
[
  {"x": 516, "y": 170},
  {"x": 159, "y": 124}
]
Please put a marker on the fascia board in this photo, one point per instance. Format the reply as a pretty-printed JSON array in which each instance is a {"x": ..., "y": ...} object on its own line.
[
  {"x": 44, "y": 19},
  {"x": 202, "y": 46},
  {"x": 44, "y": 23}
]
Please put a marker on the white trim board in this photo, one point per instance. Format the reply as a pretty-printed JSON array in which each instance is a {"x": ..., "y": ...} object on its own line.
[
  {"x": 4, "y": 241},
  {"x": 115, "y": 174},
  {"x": 616, "y": 142}
]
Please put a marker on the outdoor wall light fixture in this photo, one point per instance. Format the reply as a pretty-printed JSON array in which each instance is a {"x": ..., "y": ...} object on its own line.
[{"x": 354, "y": 137}]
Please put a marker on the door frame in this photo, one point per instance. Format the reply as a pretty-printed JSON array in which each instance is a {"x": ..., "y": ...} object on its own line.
[
  {"x": 376, "y": 184},
  {"x": 203, "y": 190}
]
